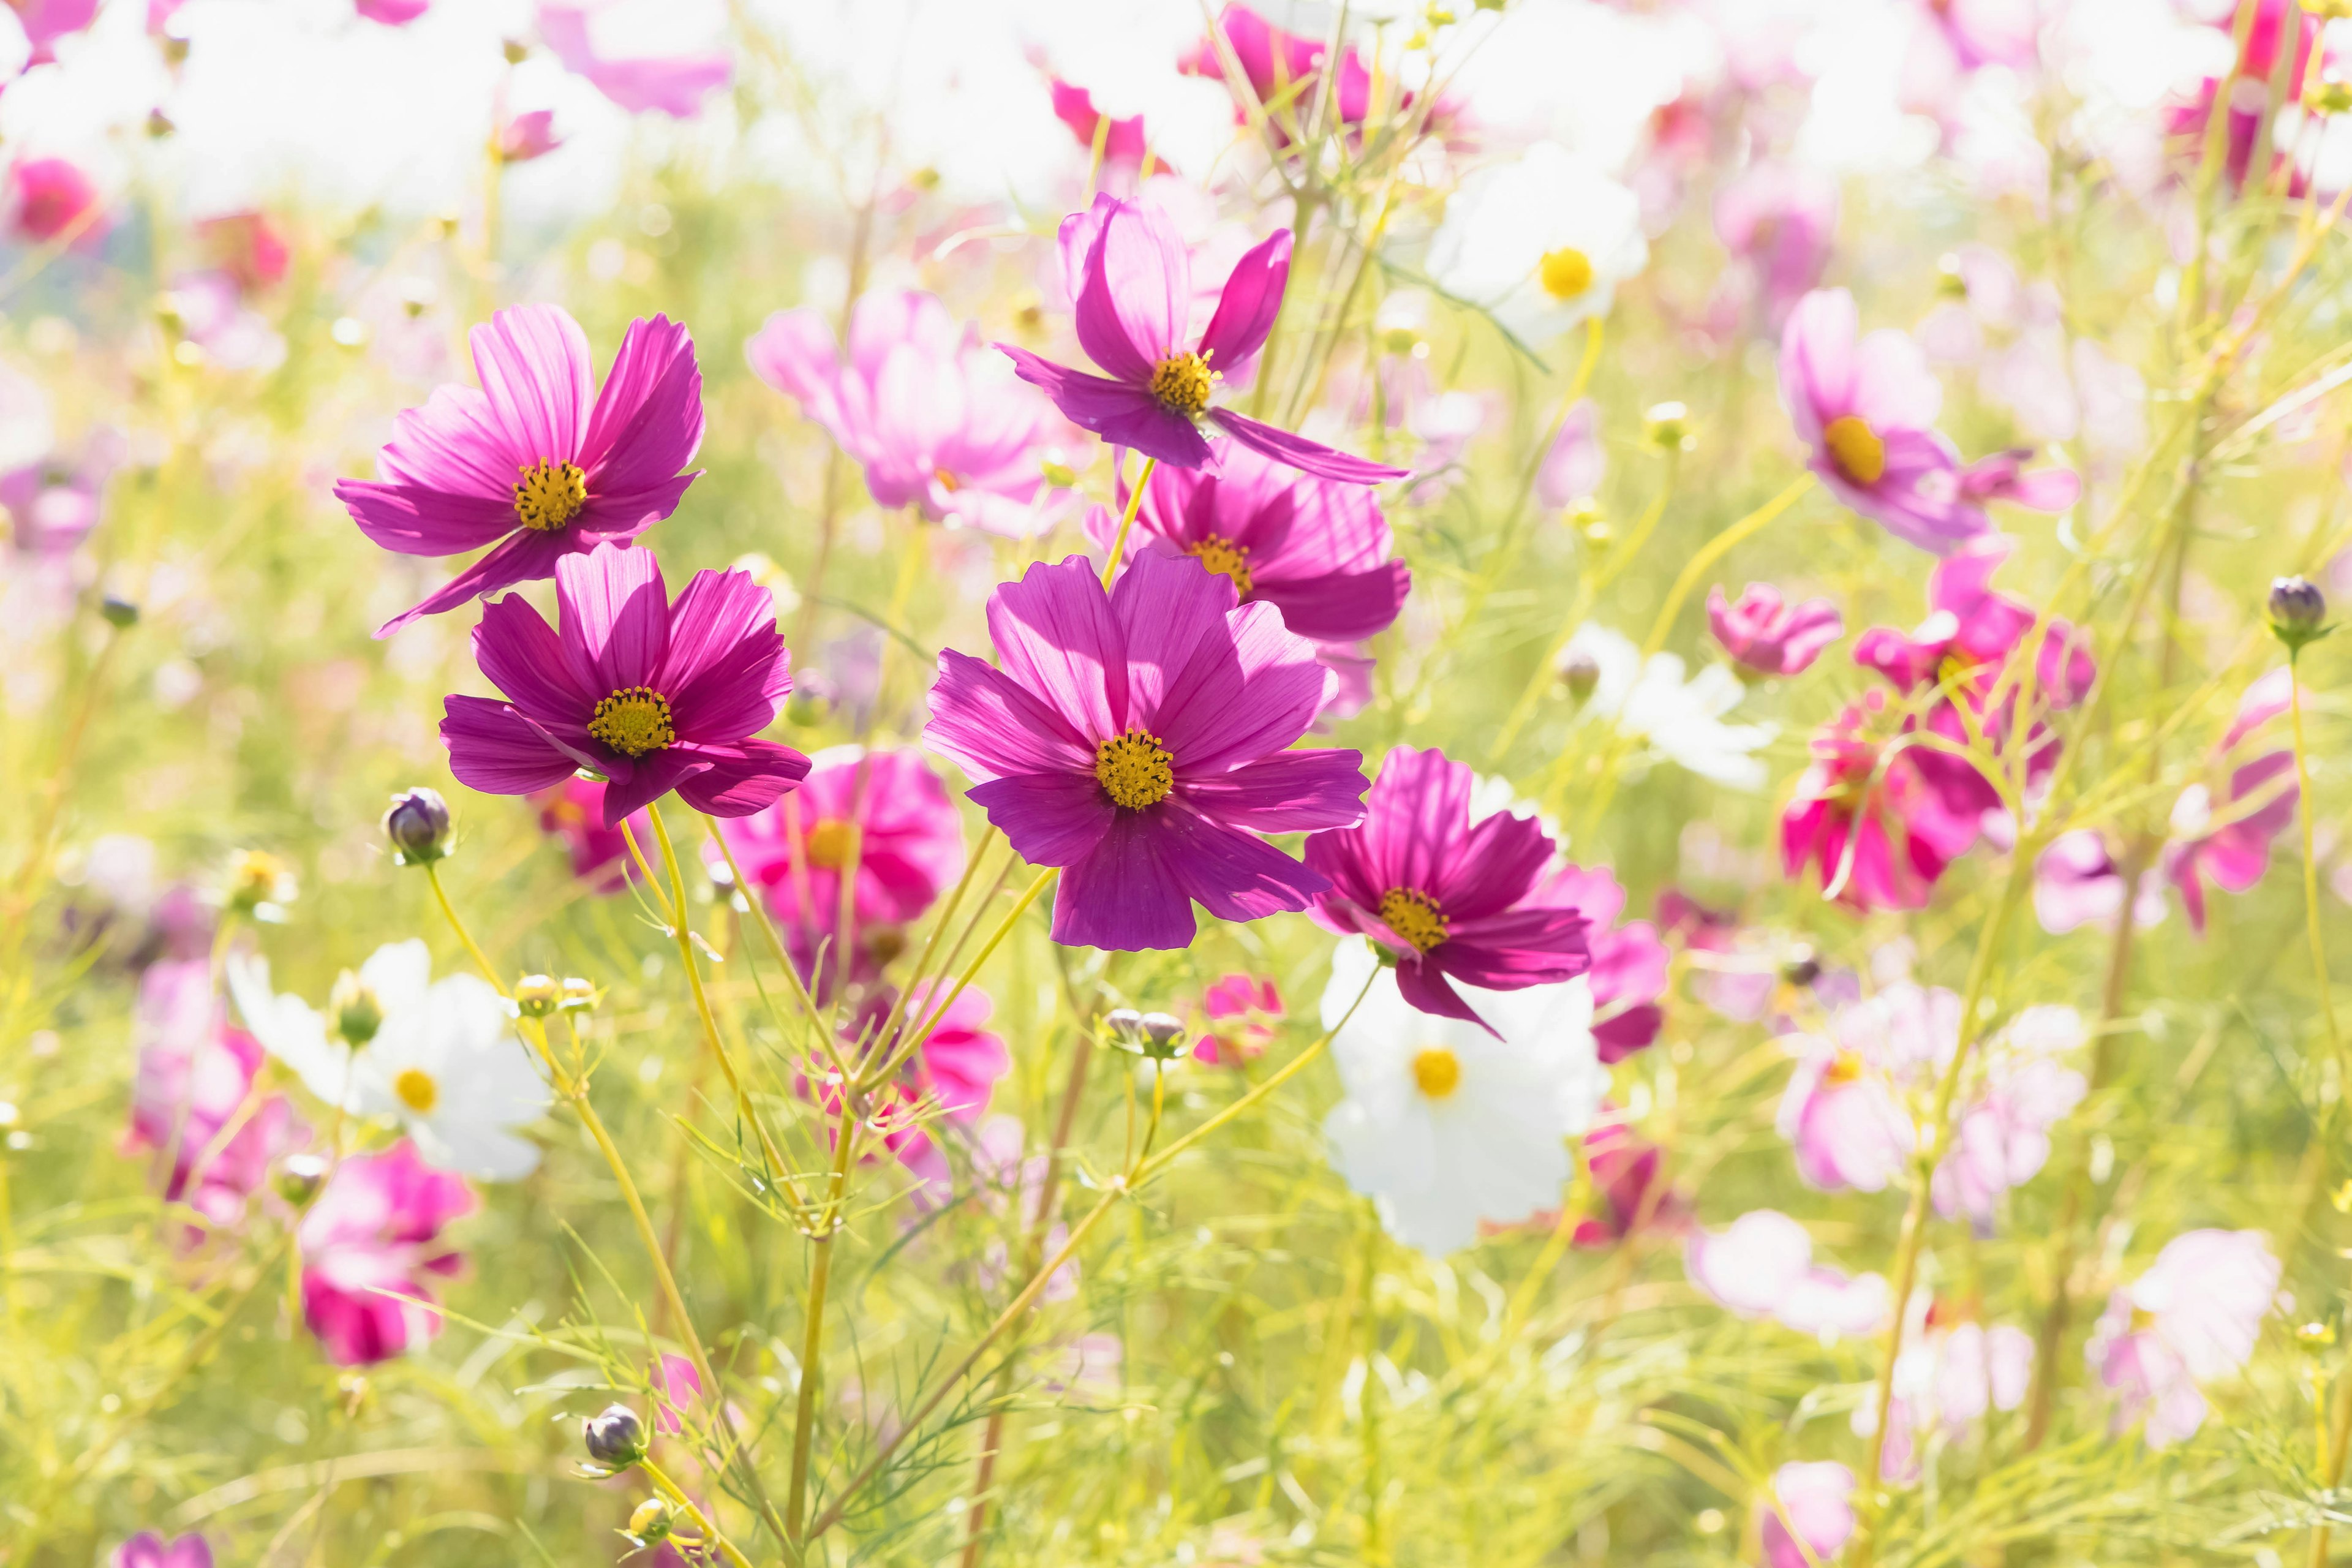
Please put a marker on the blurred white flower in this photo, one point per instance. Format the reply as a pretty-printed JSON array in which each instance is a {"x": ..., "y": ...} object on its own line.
[
  {"x": 440, "y": 1055},
  {"x": 1541, "y": 242},
  {"x": 1445, "y": 1125},
  {"x": 1681, "y": 720}
]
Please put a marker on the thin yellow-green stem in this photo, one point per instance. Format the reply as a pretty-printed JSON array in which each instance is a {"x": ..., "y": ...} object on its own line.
[
  {"x": 464, "y": 937},
  {"x": 914, "y": 1037},
  {"x": 2311, "y": 865},
  {"x": 845, "y": 1142},
  {"x": 1127, "y": 520},
  {"x": 685, "y": 1505}
]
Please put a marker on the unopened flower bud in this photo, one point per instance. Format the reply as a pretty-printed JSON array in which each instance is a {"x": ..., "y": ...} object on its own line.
[
  {"x": 300, "y": 1177},
  {"x": 354, "y": 1009},
  {"x": 2299, "y": 612},
  {"x": 616, "y": 1438},
  {"x": 537, "y": 995},
  {"x": 1667, "y": 426},
  {"x": 651, "y": 1522},
  {"x": 258, "y": 882},
  {"x": 1803, "y": 969},
  {"x": 418, "y": 827},
  {"x": 119, "y": 611},
  {"x": 1161, "y": 1035},
  {"x": 1124, "y": 1025},
  {"x": 579, "y": 995},
  {"x": 1061, "y": 476},
  {"x": 516, "y": 51},
  {"x": 1580, "y": 673}
]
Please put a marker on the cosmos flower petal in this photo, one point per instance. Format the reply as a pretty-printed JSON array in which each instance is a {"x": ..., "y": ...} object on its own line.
[
  {"x": 1138, "y": 288},
  {"x": 990, "y": 727},
  {"x": 1289, "y": 792},
  {"x": 1252, "y": 692},
  {"x": 533, "y": 362},
  {"x": 1246, "y": 310},
  {"x": 414, "y": 521},
  {"x": 739, "y": 778},
  {"x": 1234, "y": 876},
  {"x": 725, "y": 670},
  {"x": 1056, "y": 635},
  {"x": 1050, "y": 819},
  {"x": 617, "y": 627},
  {"x": 1123, "y": 897},
  {"x": 647, "y": 421},
  {"x": 654, "y": 776},
  {"x": 496, "y": 750},
  {"x": 523, "y": 657},
  {"x": 1311, "y": 457},
  {"x": 524, "y": 557},
  {"x": 1171, "y": 610}
]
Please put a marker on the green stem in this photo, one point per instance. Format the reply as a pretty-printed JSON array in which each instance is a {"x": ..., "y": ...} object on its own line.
[
  {"x": 685, "y": 1505},
  {"x": 1127, "y": 520}
]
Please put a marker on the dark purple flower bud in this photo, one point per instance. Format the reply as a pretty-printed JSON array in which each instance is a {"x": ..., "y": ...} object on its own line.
[
  {"x": 615, "y": 1436},
  {"x": 1580, "y": 673},
  {"x": 2299, "y": 611},
  {"x": 418, "y": 827}
]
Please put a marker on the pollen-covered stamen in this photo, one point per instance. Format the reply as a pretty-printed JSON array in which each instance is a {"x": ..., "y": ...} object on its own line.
[
  {"x": 946, "y": 480},
  {"x": 831, "y": 843},
  {"x": 1414, "y": 916},
  {"x": 1135, "y": 770},
  {"x": 417, "y": 1090},
  {"x": 632, "y": 722},
  {"x": 1436, "y": 1072},
  {"x": 1855, "y": 448},
  {"x": 1182, "y": 383},
  {"x": 1223, "y": 555},
  {"x": 1844, "y": 1068},
  {"x": 1566, "y": 273},
  {"x": 549, "y": 495}
]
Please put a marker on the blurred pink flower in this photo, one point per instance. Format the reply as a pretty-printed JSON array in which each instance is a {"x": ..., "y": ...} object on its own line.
[
  {"x": 51, "y": 200},
  {"x": 1880, "y": 828},
  {"x": 392, "y": 13},
  {"x": 573, "y": 811},
  {"x": 2023, "y": 1086},
  {"x": 2077, "y": 882},
  {"x": 1241, "y": 1010},
  {"x": 192, "y": 1098},
  {"x": 2235, "y": 852},
  {"x": 674, "y": 84},
  {"x": 1576, "y": 462},
  {"x": 1950, "y": 1377},
  {"x": 2002, "y": 476},
  {"x": 915, "y": 405},
  {"x": 54, "y": 504},
  {"x": 1762, "y": 1266},
  {"x": 1283, "y": 71},
  {"x": 1766, "y": 635},
  {"x": 1867, "y": 410},
  {"x": 370, "y": 1249},
  {"x": 248, "y": 247},
  {"x": 2187, "y": 122},
  {"x": 1818, "y": 1501},
  {"x": 1628, "y": 973},
  {"x": 1124, "y": 144},
  {"x": 677, "y": 1389},
  {"x": 46, "y": 21},
  {"x": 1844, "y": 1111},
  {"x": 1627, "y": 1173},
  {"x": 2192, "y": 1319},
  {"x": 1779, "y": 221},
  {"x": 956, "y": 1069},
  {"x": 149, "y": 1550},
  {"x": 530, "y": 134}
]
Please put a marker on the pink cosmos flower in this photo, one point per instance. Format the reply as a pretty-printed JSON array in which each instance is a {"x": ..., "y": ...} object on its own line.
[
  {"x": 371, "y": 1244},
  {"x": 54, "y": 504},
  {"x": 2259, "y": 59},
  {"x": 1448, "y": 899},
  {"x": 888, "y": 810},
  {"x": 1780, "y": 221},
  {"x": 1766, "y": 635},
  {"x": 1818, "y": 1500},
  {"x": 573, "y": 811},
  {"x": 1136, "y": 739},
  {"x": 530, "y": 134},
  {"x": 1240, "y": 1009},
  {"x": 248, "y": 247},
  {"x": 1626, "y": 1177},
  {"x": 956, "y": 1069},
  {"x": 1880, "y": 829},
  {"x": 674, "y": 84},
  {"x": 1867, "y": 409},
  {"x": 915, "y": 405},
  {"x": 654, "y": 695},
  {"x": 1844, "y": 1111},
  {"x": 1124, "y": 144},
  {"x": 1628, "y": 975},
  {"x": 149, "y": 1550},
  {"x": 1317, "y": 551},
  {"x": 2001, "y": 1138},
  {"x": 2002, "y": 476},
  {"x": 527, "y": 463},
  {"x": 50, "y": 200},
  {"x": 193, "y": 1096},
  {"x": 2192, "y": 1319},
  {"x": 392, "y": 13},
  {"x": 2077, "y": 882},
  {"x": 1950, "y": 1377},
  {"x": 1762, "y": 1266},
  {"x": 1283, "y": 71},
  {"x": 2235, "y": 852},
  {"x": 1131, "y": 278},
  {"x": 46, "y": 21}
]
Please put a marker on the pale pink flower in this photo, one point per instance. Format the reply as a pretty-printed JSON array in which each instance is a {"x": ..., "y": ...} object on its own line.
[
  {"x": 2001, "y": 1136},
  {"x": 1766, "y": 635},
  {"x": 149, "y": 1550},
  {"x": 1846, "y": 1111},
  {"x": 1817, "y": 1502},
  {"x": 1779, "y": 221},
  {"x": 46, "y": 21},
  {"x": 2231, "y": 842},
  {"x": 1576, "y": 463},
  {"x": 50, "y": 200},
  {"x": 530, "y": 134},
  {"x": 1241, "y": 1010},
  {"x": 2192, "y": 1319},
  {"x": 2077, "y": 882},
  {"x": 192, "y": 1100},
  {"x": 1762, "y": 1266},
  {"x": 675, "y": 85},
  {"x": 1950, "y": 1378},
  {"x": 392, "y": 13}
]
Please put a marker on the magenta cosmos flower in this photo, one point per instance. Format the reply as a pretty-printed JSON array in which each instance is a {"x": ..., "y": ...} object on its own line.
[
  {"x": 1137, "y": 739},
  {"x": 538, "y": 461},
  {"x": 1316, "y": 550},
  {"x": 1124, "y": 143},
  {"x": 935, "y": 423},
  {"x": 1765, "y": 634},
  {"x": 370, "y": 1244},
  {"x": 50, "y": 199},
  {"x": 2192, "y": 1319},
  {"x": 46, "y": 21},
  {"x": 574, "y": 812},
  {"x": 1816, "y": 1500},
  {"x": 2231, "y": 843},
  {"x": 149, "y": 1550},
  {"x": 194, "y": 1077},
  {"x": 1450, "y": 900},
  {"x": 1131, "y": 278},
  {"x": 653, "y": 694},
  {"x": 1781, "y": 220},
  {"x": 1241, "y": 1011}
]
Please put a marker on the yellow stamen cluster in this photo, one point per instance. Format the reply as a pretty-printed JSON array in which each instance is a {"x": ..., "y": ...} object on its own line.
[
  {"x": 1844, "y": 1068},
  {"x": 417, "y": 1090},
  {"x": 1414, "y": 916},
  {"x": 550, "y": 495},
  {"x": 1855, "y": 448},
  {"x": 831, "y": 843},
  {"x": 1135, "y": 770},
  {"x": 1566, "y": 273},
  {"x": 1182, "y": 383},
  {"x": 1436, "y": 1072},
  {"x": 1223, "y": 555},
  {"x": 632, "y": 722}
]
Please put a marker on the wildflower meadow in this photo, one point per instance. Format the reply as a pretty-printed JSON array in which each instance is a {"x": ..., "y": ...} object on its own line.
[{"x": 1543, "y": 784}]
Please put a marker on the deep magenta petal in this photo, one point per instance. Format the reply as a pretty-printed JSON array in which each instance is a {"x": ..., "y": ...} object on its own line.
[
  {"x": 525, "y": 557},
  {"x": 743, "y": 778},
  {"x": 1289, "y": 792},
  {"x": 1234, "y": 876},
  {"x": 988, "y": 725},
  {"x": 614, "y": 613},
  {"x": 412, "y": 521},
  {"x": 497, "y": 750},
  {"x": 726, "y": 671},
  {"x": 1246, "y": 310},
  {"x": 656, "y": 774},
  {"x": 1169, "y": 609},
  {"x": 1251, "y": 692},
  {"x": 648, "y": 422},
  {"x": 1123, "y": 897},
  {"x": 1057, "y": 637},
  {"x": 522, "y": 657},
  {"x": 533, "y": 362},
  {"x": 1309, "y": 456},
  {"x": 1050, "y": 819},
  {"x": 1129, "y": 312}
]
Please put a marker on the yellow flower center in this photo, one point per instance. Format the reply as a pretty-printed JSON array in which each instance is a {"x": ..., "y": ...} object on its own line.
[
  {"x": 1223, "y": 555},
  {"x": 1181, "y": 383},
  {"x": 1414, "y": 916},
  {"x": 831, "y": 843},
  {"x": 1566, "y": 273},
  {"x": 1855, "y": 448},
  {"x": 948, "y": 481},
  {"x": 550, "y": 495},
  {"x": 1436, "y": 1072},
  {"x": 1845, "y": 1068},
  {"x": 417, "y": 1090},
  {"x": 1135, "y": 769},
  {"x": 632, "y": 722}
]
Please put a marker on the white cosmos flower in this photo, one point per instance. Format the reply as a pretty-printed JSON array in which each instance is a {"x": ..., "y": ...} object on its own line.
[
  {"x": 1542, "y": 241},
  {"x": 1444, "y": 1124},
  {"x": 444, "y": 1058},
  {"x": 1681, "y": 719}
]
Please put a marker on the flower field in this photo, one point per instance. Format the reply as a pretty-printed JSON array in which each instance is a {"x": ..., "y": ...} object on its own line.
[{"x": 1167, "y": 783}]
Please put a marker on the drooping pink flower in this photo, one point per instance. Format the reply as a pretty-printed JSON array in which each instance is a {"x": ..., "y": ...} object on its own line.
[
  {"x": 2002, "y": 476},
  {"x": 573, "y": 811},
  {"x": 248, "y": 247},
  {"x": 1879, "y": 829},
  {"x": 655, "y": 695},
  {"x": 1867, "y": 410},
  {"x": 1137, "y": 739},
  {"x": 1779, "y": 221},
  {"x": 1627, "y": 1173},
  {"x": 371, "y": 1244},
  {"x": 1447, "y": 898},
  {"x": 886, "y": 810},
  {"x": 1818, "y": 1501},
  {"x": 2001, "y": 1138},
  {"x": 1765, "y": 634},
  {"x": 1124, "y": 144},
  {"x": 2231, "y": 844},
  {"x": 46, "y": 21},
  {"x": 1241, "y": 1010},
  {"x": 1762, "y": 1266},
  {"x": 193, "y": 1096},
  {"x": 1949, "y": 1376},
  {"x": 392, "y": 13},
  {"x": 1131, "y": 279},
  {"x": 675, "y": 85},
  {"x": 149, "y": 1550},
  {"x": 528, "y": 462},
  {"x": 2077, "y": 882},
  {"x": 530, "y": 134},
  {"x": 915, "y": 405},
  {"x": 1319, "y": 551},
  {"x": 1628, "y": 975},
  {"x": 51, "y": 200},
  {"x": 2192, "y": 1319}
]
